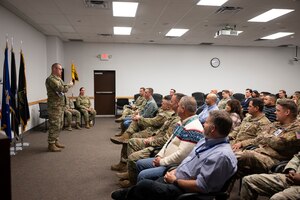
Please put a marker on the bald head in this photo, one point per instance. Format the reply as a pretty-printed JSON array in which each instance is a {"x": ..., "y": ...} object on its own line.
[{"x": 211, "y": 99}]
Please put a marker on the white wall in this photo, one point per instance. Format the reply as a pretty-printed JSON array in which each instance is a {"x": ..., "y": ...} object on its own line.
[
  {"x": 185, "y": 68},
  {"x": 35, "y": 54}
]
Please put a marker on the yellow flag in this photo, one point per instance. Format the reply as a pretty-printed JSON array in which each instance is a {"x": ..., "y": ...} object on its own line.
[{"x": 74, "y": 73}]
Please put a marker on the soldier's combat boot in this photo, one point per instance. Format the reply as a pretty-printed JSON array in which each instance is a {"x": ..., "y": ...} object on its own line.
[
  {"x": 123, "y": 175},
  {"x": 53, "y": 148},
  {"x": 91, "y": 124},
  {"x": 123, "y": 139},
  {"x": 87, "y": 125},
  {"x": 69, "y": 128},
  {"x": 59, "y": 145},
  {"x": 121, "y": 167},
  {"x": 77, "y": 126},
  {"x": 125, "y": 184}
]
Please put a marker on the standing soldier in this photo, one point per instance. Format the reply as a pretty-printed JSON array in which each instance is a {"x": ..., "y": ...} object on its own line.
[
  {"x": 69, "y": 111},
  {"x": 83, "y": 104},
  {"x": 55, "y": 92}
]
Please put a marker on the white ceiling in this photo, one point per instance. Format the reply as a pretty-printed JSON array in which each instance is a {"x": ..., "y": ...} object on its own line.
[{"x": 71, "y": 19}]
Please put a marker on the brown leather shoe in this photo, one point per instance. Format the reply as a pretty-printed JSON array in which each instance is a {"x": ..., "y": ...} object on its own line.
[
  {"x": 59, "y": 145},
  {"x": 123, "y": 175},
  {"x": 123, "y": 139},
  {"x": 53, "y": 148},
  {"x": 125, "y": 184},
  {"x": 121, "y": 167}
]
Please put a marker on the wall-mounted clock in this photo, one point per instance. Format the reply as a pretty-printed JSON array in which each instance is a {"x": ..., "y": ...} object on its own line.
[{"x": 215, "y": 62}]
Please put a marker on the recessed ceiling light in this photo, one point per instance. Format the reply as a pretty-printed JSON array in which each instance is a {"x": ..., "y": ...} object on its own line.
[
  {"x": 269, "y": 15},
  {"x": 277, "y": 35},
  {"x": 211, "y": 2},
  {"x": 122, "y": 30},
  {"x": 124, "y": 9},
  {"x": 176, "y": 32}
]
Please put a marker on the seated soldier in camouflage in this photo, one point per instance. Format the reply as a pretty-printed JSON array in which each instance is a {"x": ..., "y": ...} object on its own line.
[
  {"x": 139, "y": 148},
  {"x": 139, "y": 104},
  {"x": 254, "y": 123},
  {"x": 69, "y": 111},
  {"x": 83, "y": 104},
  {"x": 278, "y": 142},
  {"x": 140, "y": 123},
  {"x": 277, "y": 186}
]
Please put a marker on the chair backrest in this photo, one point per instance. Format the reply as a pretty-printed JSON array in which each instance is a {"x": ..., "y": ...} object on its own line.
[
  {"x": 122, "y": 102},
  {"x": 239, "y": 96},
  {"x": 219, "y": 94},
  {"x": 43, "y": 110},
  {"x": 136, "y": 96},
  {"x": 200, "y": 98},
  {"x": 158, "y": 98}
]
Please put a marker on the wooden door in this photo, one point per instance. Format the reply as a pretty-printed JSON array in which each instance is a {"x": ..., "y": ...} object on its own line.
[{"x": 105, "y": 91}]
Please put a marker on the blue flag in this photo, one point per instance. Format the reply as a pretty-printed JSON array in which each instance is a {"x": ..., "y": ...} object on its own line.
[
  {"x": 13, "y": 101},
  {"x": 5, "y": 121}
]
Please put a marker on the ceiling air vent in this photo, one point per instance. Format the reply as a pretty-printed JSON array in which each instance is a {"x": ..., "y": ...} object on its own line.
[
  {"x": 75, "y": 40},
  {"x": 206, "y": 43},
  {"x": 96, "y": 4},
  {"x": 228, "y": 10}
]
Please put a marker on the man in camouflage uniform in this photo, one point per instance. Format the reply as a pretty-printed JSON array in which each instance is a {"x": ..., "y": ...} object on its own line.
[
  {"x": 69, "y": 111},
  {"x": 139, "y": 104},
  {"x": 254, "y": 123},
  {"x": 55, "y": 92},
  {"x": 280, "y": 141},
  {"x": 140, "y": 123},
  {"x": 277, "y": 186},
  {"x": 139, "y": 148},
  {"x": 83, "y": 104}
]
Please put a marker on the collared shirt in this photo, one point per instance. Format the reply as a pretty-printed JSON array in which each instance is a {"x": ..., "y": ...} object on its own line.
[
  {"x": 205, "y": 112},
  {"x": 211, "y": 167},
  {"x": 149, "y": 109}
]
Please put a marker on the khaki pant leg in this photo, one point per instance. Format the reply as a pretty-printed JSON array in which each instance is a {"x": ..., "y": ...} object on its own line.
[
  {"x": 135, "y": 144},
  {"x": 85, "y": 115},
  {"x": 92, "y": 114},
  {"x": 291, "y": 193},
  {"x": 262, "y": 184},
  {"x": 133, "y": 127},
  {"x": 55, "y": 123},
  {"x": 77, "y": 114},
  {"x": 68, "y": 116}
]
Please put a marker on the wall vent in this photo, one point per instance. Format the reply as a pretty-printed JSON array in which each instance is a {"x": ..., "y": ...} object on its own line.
[
  {"x": 97, "y": 4},
  {"x": 228, "y": 10}
]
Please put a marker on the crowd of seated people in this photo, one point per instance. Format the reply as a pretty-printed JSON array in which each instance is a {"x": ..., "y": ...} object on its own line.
[{"x": 267, "y": 124}]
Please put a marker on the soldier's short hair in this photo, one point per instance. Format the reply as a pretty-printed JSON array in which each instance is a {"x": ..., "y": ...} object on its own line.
[
  {"x": 167, "y": 97},
  {"x": 250, "y": 90},
  {"x": 258, "y": 102},
  {"x": 81, "y": 89},
  {"x": 179, "y": 96},
  {"x": 290, "y": 105},
  {"x": 55, "y": 65},
  {"x": 272, "y": 97},
  {"x": 142, "y": 88},
  {"x": 226, "y": 91},
  {"x": 189, "y": 103},
  {"x": 150, "y": 90},
  {"x": 222, "y": 121},
  {"x": 173, "y": 90}
]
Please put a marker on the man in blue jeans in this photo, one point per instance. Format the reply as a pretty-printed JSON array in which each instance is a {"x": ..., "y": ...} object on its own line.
[
  {"x": 185, "y": 136},
  {"x": 206, "y": 169}
]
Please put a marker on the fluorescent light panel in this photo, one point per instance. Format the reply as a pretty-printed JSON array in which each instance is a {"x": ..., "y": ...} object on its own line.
[
  {"x": 277, "y": 35},
  {"x": 122, "y": 30},
  {"x": 269, "y": 15},
  {"x": 211, "y": 2},
  {"x": 124, "y": 9},
  {"x": 176, "y": 32}
]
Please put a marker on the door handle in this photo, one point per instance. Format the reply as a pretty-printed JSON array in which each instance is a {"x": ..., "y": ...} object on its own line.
[{"x": 106, "y": 92}]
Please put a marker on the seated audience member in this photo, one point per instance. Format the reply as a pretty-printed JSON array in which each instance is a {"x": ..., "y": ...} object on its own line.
[
  {"x": 279, "y": 142},
  {"x": 210, "y": 104},
  {"x": 140, "y": 123},
  {"x": 172, "y": 91},
  {"x": 255, "y": 94},
  {"x": 281, "y": 95},
  {"x": 253, "y": 124},
  {"x": 185, "y": 136},
  {"x": 139, "y": 104},
  {"x": 83, "y": 104},
  {"x": 277, "y": 186},
  {"x": 270, "y": 107},
  {"x": 245, "y": 102},
  {"x": 208, "y": 166},
  {"x": 263, "y": 94},
  {"x": 215, "y": 91},
  {"x": 69, "y": 111},
  {"x": 139, "y": 148},
  {"x": 296, "y": 99},
  {"x": 224, "y": 100},
  {"x": 234, "y": 108},
  {"x": 147, "y": 112}
]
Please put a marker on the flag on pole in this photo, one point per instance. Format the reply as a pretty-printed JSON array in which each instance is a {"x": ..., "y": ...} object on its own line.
[
  {"x": 5, "y": 121},
  {"x": 74, "y": 73},
  {"x": 22, "y": 95},
  {"x": 13, "y": 87}
]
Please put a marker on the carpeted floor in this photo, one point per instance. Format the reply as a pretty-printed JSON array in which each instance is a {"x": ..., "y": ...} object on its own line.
[{"x": 80, "y": 172}]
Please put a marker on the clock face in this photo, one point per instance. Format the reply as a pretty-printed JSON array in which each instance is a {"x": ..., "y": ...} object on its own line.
[{"x": 215, "y": 62}]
